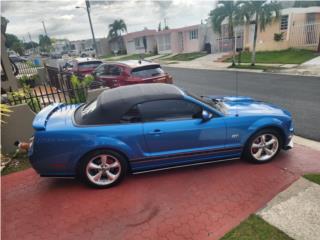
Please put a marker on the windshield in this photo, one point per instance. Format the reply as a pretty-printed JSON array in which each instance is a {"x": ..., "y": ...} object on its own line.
[
  {"x": 218, "y": 105},
  {"x": 147, "y": 71},
  {"x": 92, "y": 64}
]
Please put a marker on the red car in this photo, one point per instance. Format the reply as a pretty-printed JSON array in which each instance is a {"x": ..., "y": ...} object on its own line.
[
  {"x": 83, "y": 66},
  {"x": 116, "y": 74}
]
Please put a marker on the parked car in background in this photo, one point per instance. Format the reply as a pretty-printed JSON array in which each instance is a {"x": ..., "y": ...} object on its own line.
[
  {"x": 149, "y": 127},
  {"x": 56, "y": 55},
  {"x": 116, "y": 74},
  {"x": 72, "y": 53},
  {"x": 17, "y": 59},
  {"x": 82, "y": 66},
  {"x": 88, "y": 52}
]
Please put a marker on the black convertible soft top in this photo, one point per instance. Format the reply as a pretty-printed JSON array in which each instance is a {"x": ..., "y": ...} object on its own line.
[{"x": 112, "y": 104}]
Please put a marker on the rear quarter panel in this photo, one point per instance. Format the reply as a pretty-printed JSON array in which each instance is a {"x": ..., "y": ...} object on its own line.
[{"x": 58, "y": 152}]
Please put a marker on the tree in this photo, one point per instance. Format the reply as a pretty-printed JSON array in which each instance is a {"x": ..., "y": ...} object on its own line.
[
  {"x": 4, "y": 23},
  {"x": 14, "y": 43},
  {"x": 159, "y": 27},
  {"x": 44, "y": 43},
  {"x": 116, "y": 28},
  {"x": 11, "y": 39},
  {"x": 144, "y": 40},
  {"x": 30, "y": 45},
  {"x": 264, "y": 13},
  {"x": 226, "y": 10}
]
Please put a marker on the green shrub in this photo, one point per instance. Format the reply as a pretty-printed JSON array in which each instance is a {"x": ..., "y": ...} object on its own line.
[{"x": 80, "y": 88}]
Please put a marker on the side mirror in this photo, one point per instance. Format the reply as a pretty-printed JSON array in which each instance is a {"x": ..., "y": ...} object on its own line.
[{"x": 206, "y": 116}]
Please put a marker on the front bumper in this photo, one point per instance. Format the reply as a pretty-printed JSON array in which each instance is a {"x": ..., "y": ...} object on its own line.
[{"x": 289, "y": 145}]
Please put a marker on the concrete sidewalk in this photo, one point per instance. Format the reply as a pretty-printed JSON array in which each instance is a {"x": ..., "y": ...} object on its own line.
[
  {"x": 212, "y": 62},
  {"x": 296, "y": 211}
]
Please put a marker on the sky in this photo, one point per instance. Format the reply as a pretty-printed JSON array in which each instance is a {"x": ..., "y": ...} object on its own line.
[{"x": 63, "y": 20}]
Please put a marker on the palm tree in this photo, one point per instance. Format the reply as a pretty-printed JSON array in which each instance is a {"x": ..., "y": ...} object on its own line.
[
  {"x": 226, "y": 10},
  {"x": 263, "y": 13},
  {"x": 116, "y": 28}
]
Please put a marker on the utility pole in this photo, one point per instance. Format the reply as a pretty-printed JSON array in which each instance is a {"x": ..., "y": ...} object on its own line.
[
  {"x": 91, "y": 27},
  {"x": 32, "y": 43},
  {"x": 44, "y": 28},
  {"x": 92, "y": 32}
]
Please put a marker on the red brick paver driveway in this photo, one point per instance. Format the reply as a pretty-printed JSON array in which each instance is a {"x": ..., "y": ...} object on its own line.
[{"x": 191, "y": 203}]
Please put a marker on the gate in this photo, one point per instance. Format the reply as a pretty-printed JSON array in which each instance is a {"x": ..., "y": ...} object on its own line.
[{"x": 305, "y": 35}]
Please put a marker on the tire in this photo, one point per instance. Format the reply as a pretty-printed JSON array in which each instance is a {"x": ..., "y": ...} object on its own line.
[
  {"x": 103, "y": 168},
  {"x": 263, "y": 146}
]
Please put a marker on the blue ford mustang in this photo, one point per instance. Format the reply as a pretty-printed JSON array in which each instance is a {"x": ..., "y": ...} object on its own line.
[{"x": 149, "y": 127}]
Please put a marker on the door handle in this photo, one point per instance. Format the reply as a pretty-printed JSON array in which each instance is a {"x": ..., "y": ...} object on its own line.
[{"x": 156, "y": 132}]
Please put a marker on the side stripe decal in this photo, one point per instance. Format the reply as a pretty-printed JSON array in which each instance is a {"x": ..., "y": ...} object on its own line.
[{"x": 178, "y": 155}]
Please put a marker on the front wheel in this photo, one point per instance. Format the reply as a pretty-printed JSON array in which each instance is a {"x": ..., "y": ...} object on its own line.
[
  {"x": 103, "y": 168},
  {"x": 263, "y": 146}
]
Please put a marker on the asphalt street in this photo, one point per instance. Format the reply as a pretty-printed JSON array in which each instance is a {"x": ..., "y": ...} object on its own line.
[{"x": 298, "y": 94}]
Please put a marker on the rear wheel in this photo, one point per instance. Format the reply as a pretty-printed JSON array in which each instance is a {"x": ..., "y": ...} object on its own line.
[
  {"x": 103, "y": 168},
  {"x": 263, "y": 146}
]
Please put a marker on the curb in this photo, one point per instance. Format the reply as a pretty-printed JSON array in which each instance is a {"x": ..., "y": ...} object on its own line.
[
  {"x": 239, "y": 70},
  {"x": 307, "y": 142}
]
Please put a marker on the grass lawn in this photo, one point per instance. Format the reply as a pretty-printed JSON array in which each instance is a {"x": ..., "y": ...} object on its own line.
[
  {"x": 135, "y": 56},
  {"x": 313, "y": 177},
  {"x": 255, "y": 228},
  {"x": 186, "y": 56},
  {"x": 18, "y": 163},
  {"x": 289, "y": 56},
  {"x": 110, "y": 55}
]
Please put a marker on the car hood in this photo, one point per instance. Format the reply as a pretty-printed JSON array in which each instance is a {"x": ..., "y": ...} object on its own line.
[{"x": 245, "y": 106}]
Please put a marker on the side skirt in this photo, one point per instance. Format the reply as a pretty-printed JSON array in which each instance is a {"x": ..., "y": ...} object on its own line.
[{"x": 185, "y": 165}]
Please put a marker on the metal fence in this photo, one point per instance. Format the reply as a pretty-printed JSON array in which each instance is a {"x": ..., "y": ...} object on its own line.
[
  {"x": 305, "y": 35},
  {"x": 44, "y": 95},
  {"x": 27, "y": 69}
]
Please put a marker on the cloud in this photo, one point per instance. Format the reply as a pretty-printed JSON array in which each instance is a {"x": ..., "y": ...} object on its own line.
[
  {"x": 66, "y": 17},
  {"x": 63, "y": 20}
]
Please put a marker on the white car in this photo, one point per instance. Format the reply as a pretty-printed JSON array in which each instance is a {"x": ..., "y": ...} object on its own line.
[{"x": 88, "y": 52}]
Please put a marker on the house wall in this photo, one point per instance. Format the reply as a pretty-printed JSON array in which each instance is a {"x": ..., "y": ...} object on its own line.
[
  {"x": 293, "y": 36},
  {"x": 133, "y": 49},
  {"x": 103, "y": 46},
  {"x": 265, "y": 39},
  {"x": 189, "y": 45},
  {"x": 21, "y": 116},
  {"x": 166, "y": 42}
]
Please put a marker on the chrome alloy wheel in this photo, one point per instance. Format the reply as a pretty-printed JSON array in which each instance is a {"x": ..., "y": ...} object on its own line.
[
  {"x": 264, "y": 146},
  {"x": 103, "y": 169}
]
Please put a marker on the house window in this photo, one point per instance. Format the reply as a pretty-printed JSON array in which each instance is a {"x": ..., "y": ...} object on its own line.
[
  {"x": 167, "y": 44},
  {"x": 311, "y": 17},
  {"x": 137, "y": 42},
  {"x": 193, "y": 34},
  {"x": 284, "y": 22}
]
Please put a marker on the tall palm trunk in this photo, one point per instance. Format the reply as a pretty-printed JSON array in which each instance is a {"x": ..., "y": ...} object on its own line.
[
  {"x": 231, "y": 36},
  {"x": 253, "y": 55}
]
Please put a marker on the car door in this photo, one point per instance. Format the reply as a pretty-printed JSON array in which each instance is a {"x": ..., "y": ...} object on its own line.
[{"x": 176, "y": 127}]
